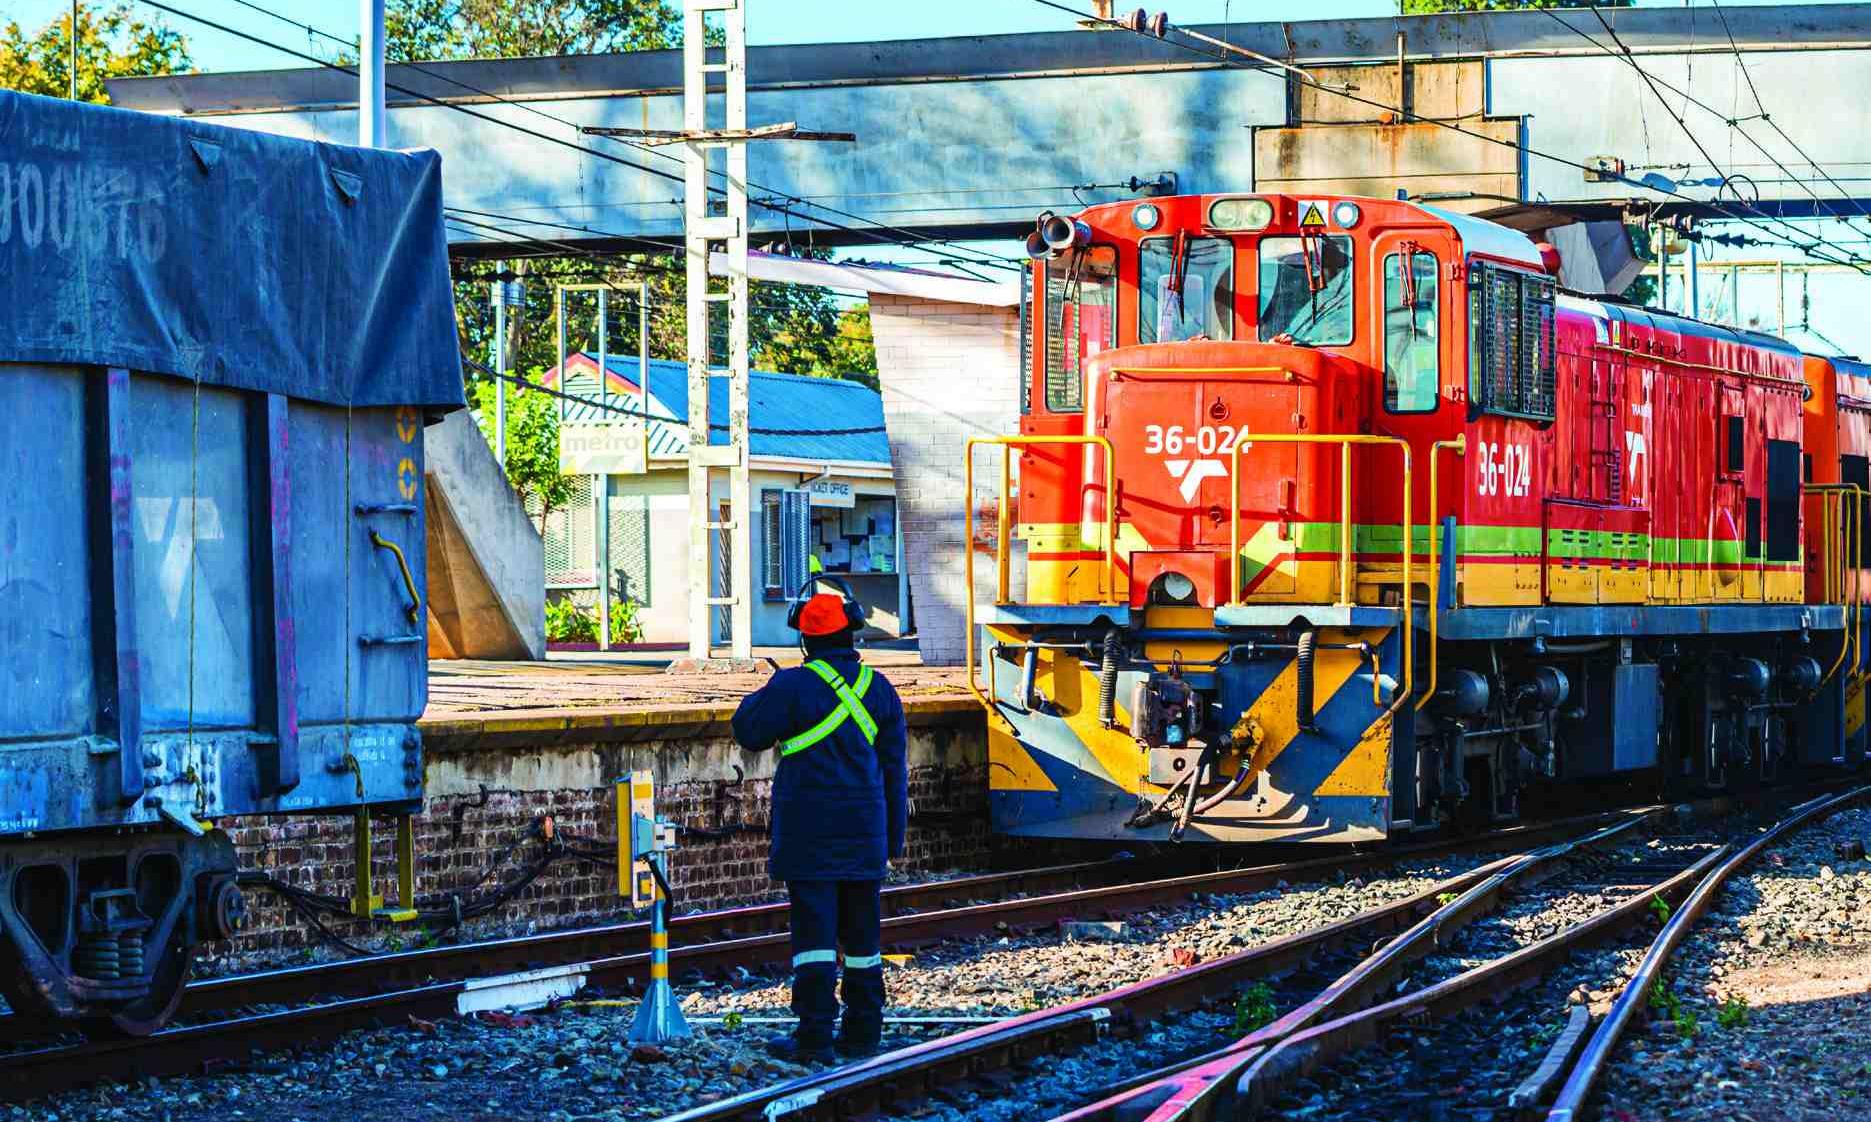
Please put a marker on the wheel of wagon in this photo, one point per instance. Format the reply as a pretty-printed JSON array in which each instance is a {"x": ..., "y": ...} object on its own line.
[{"x": 151, "y": 1012}]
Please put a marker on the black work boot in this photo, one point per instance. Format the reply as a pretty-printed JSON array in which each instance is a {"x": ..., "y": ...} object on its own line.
[
  {"x": 801, "y": 1048},
  {"x": 856, "y": 1042}
]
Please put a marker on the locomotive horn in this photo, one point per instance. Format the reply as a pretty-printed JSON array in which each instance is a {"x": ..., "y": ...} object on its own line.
[
  {"x": 1037, "y": 249},
  {"x": 1062, "y": 234}
]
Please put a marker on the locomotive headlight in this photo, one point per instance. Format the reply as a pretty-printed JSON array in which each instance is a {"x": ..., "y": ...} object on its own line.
[
  {"x": 1177, "y": 588},
  {"x": 1146, "y": 216},
  {"x": 1346, "y": 215},
  {"x": 1240, "y": 214}
]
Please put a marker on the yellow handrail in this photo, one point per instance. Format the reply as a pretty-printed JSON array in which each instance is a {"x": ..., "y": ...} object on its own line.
[
  {"x": 1842, "y": 559},
  {"x": 1345, "y": 527},
  {"x": 1004, "y": 521},
  {"x": 1460, "y": 447}
]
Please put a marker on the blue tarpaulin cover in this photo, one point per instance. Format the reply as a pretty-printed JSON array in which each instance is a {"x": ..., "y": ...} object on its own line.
[{"x": 237, "y": 258}]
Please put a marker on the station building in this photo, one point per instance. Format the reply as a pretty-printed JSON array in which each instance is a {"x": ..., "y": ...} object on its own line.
[{"x": 823, "y": 498}]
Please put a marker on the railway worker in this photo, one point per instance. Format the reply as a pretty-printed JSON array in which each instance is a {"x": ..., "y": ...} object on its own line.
[{"x": 840, "y": 808}]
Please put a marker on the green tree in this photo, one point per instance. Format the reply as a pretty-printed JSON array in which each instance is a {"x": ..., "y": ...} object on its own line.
[
  {"x": 821, "y": 339},
  {"x": 532, "y": 444},
  {"x": 794, "y": 329},
  {"x": 415, "y": 30},
  {"x": 1430, "y": 7},
  {"x": 112, "y": 43}
]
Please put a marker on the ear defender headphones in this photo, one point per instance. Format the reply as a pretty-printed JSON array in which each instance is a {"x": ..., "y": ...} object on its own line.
[{"x": 799, "y": 618}]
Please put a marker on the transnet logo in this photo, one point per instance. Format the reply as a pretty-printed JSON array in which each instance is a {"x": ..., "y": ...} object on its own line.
[
  {"x": 1192, "y": 473},
  {"x": 1209, "y": 442}
]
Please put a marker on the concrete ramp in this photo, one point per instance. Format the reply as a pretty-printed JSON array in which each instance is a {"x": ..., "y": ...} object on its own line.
[{"x": 487, "y": 567}]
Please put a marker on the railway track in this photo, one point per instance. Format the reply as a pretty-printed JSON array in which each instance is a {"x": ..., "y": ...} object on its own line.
[
  {"x": 1248, "y": 1078},
  {"x": 936, "y": 1067},
  {"x": 1355, "y": 1008},
  {"x": 222, "y": 1027}
]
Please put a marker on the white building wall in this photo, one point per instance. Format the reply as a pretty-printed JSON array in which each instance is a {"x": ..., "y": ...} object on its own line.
[
  {"x": 949, "y": 371},
  {"x": 666, "y": 619}
]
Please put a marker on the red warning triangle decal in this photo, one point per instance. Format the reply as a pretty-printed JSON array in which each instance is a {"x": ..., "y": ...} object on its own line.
[{"x": 1313, "y": 216}]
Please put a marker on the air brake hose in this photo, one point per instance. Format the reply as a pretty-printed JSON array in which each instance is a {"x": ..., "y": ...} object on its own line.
[
  {"x": 1148, "y": 814},
  {"x": 1107, "y": 679},
  {"x": 1228, "y": 790},
  {"x": 1303, "y": 691}
]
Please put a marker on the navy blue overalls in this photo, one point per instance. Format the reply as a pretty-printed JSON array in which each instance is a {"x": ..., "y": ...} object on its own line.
[{"x": 840, "y": 808}]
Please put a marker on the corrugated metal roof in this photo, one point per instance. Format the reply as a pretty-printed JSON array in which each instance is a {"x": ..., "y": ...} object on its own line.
[{"x": 797, "y": 402}]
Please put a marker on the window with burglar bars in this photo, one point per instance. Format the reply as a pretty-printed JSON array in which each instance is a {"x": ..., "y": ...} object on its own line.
[
  {"x": 567, "y": 537},
  {"x": 1026, "y": 341},
  {"x": 570, "y": 541},
  {"x": 785, "y": 543},
  {"x": 630, "y": 547},
  {"x": 1511, "y": 349},
  {"x": 1081, "y": 321},
  {"x": 773, "y": 573}
]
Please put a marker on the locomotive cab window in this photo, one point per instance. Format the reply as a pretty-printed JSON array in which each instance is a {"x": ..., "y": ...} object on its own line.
[
  {"x": 1185, "y": 289},
  {"x": 1081, "y": 321},
  {"x": 1305, "y": 289},
  {"x": 1412, "y": 355},
  {"x": 1512, "y": 359},
  {"x": 1734, "y": 450}
]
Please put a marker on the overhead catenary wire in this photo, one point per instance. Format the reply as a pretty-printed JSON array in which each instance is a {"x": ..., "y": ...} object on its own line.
[
  {"x": 455, "y": 213},
  {"x": 1768, "y": 118},
  {"x": 1734, "y": 121},
  {"x": 1809, "y": 249},
  {"x": 626, "y": 291},
  {"x": 641, "y": 414},
  {"x": 988, "y": 259},
  {"x": 1652, "y": 83}
]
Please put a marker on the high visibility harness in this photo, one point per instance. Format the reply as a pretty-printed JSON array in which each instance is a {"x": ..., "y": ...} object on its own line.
[{"x": 850, "y": 708}]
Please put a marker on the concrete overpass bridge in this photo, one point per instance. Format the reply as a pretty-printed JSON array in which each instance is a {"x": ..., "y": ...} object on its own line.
[
  {"x": 971, "y": 136},
  {"x": 1509, "y": 112}
]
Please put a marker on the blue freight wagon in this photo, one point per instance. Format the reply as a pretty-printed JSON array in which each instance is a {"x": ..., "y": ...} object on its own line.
[{"x": 218, "y": 350}]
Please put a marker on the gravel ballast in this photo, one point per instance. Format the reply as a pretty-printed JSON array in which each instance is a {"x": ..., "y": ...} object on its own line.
[{"x": 574, "y": 1063}]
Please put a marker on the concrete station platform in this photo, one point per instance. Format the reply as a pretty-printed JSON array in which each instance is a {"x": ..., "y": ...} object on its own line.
[{"x": 624, "y": 698}]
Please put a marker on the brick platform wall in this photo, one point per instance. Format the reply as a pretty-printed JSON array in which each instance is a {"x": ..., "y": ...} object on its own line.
[{"x": 487, "y": 801}]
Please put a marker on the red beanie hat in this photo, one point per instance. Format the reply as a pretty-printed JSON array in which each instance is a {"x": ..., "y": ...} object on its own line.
[{"x": 823, "y": 614}]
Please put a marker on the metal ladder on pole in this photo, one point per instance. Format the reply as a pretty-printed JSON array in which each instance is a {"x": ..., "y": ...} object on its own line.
[{"x": 703, "y": 229}]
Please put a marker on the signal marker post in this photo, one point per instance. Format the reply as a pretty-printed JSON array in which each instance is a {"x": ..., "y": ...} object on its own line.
[{"x": 643, "y": 844}]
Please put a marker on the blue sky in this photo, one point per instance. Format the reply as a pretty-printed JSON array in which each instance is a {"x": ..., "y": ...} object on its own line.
[{"x": 768, "y": 21}]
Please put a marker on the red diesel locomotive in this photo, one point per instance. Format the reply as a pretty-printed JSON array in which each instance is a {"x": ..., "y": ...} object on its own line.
[{"x": 1331, "y": 518}]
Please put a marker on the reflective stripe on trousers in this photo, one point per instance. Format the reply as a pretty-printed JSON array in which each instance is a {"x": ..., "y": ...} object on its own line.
[{"x": 830, "y": 958}]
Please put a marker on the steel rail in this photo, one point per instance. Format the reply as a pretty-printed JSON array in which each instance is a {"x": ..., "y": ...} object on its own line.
[
  {"x": 357, "y": 977},
  {"x": 1239, "y": 1086},
  {"x": 1598, "y": 1050},
  {"x": 34, "y": 1072},
  {"x": 863, "y": 1089},
  {"x": 1031, "y": 913},
  {"x": 1168, "y": 1091}
]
